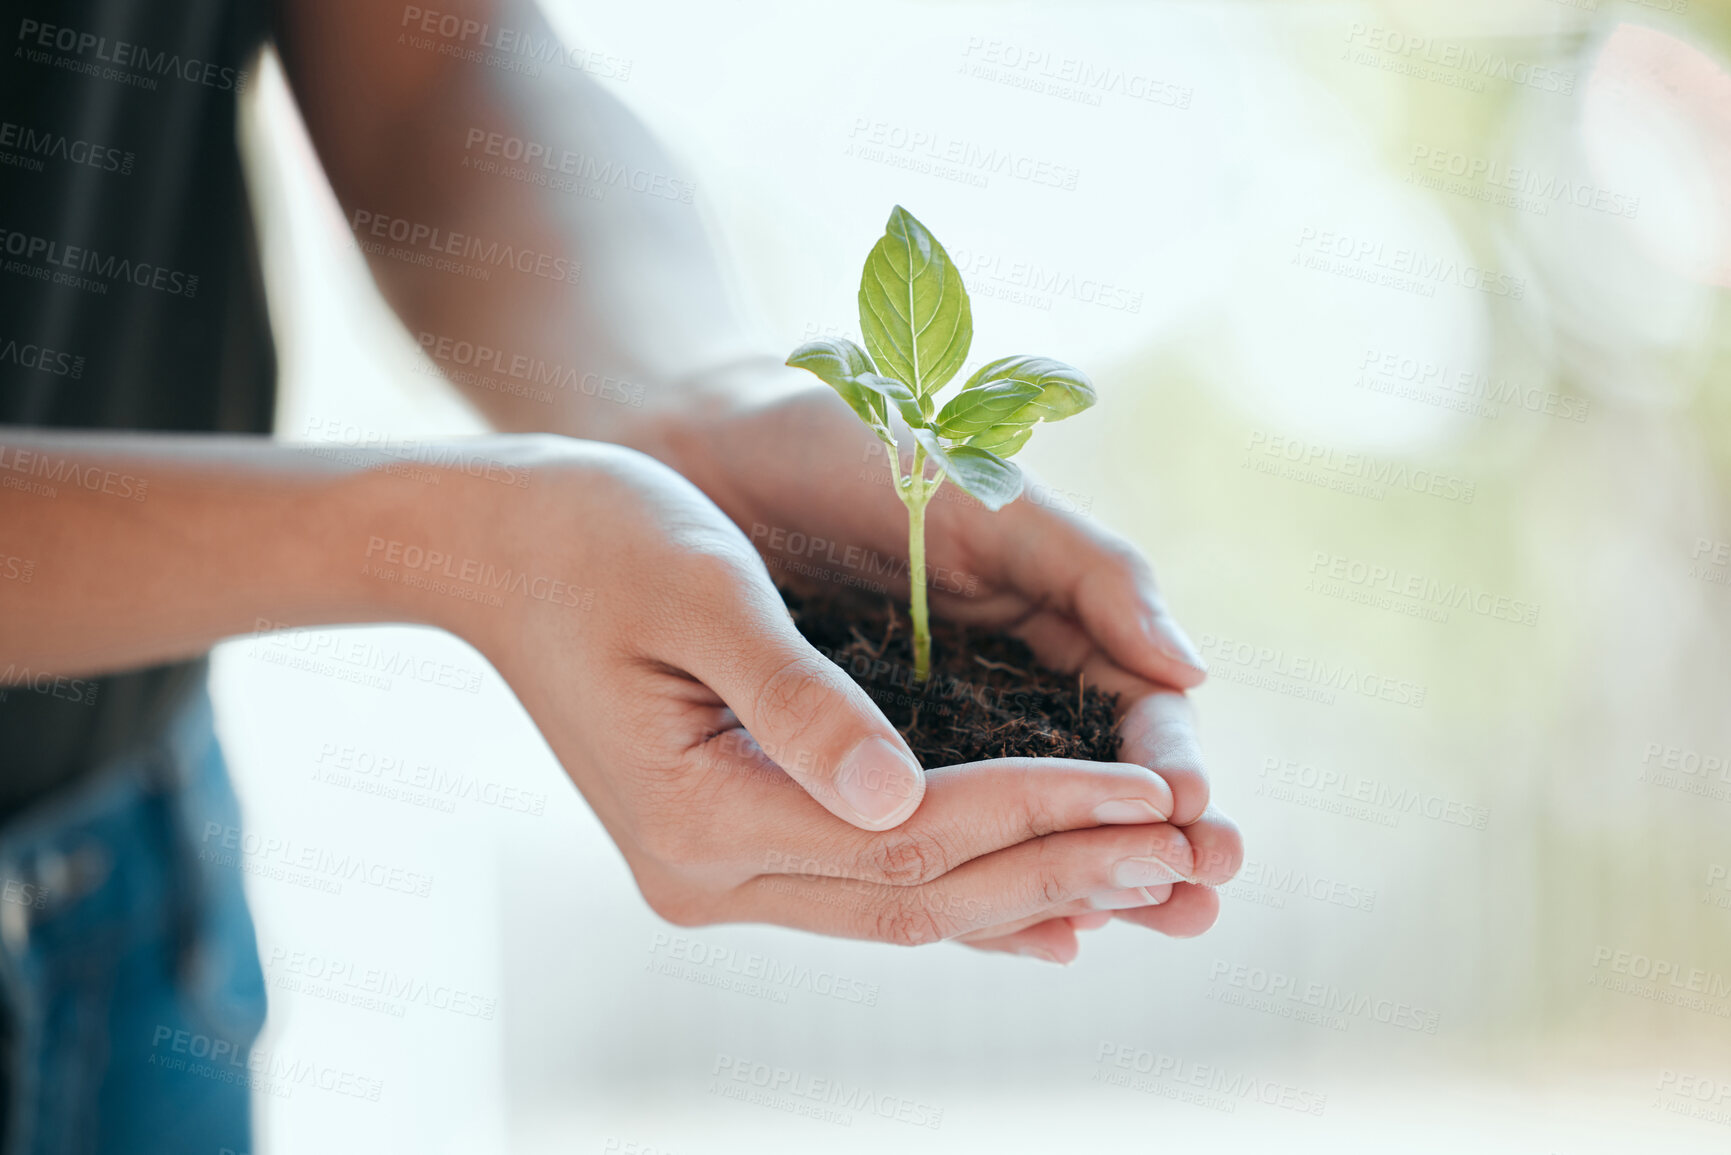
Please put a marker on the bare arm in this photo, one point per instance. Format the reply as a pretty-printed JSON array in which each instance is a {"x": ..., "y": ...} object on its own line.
[
  {"x": 149, "y": 548},
  {"x": 407, "y": 132},
  {"x": 642, "y": 635}
]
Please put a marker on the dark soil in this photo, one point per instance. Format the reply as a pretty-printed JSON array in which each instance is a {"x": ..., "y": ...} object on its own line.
[{"x": 986, "y": 697}]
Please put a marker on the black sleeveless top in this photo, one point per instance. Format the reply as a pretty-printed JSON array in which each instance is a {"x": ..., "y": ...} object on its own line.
[{"x": 130, "y": 288}]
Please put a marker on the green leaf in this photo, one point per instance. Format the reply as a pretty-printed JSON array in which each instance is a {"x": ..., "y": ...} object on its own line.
[
  {"x": 990, "y": 479},
  {"x": 983, "y": 406},
  {"x": 894, "y": 391},
  {"x": 913, "y": 308},
  {"x": 1004, "y": 440},
  {"x": 844, "y": 367},
  {"x": 1064, "y": 390}
]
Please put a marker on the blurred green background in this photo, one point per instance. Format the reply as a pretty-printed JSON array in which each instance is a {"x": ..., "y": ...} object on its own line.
[{"x": 1409, "y": 323}]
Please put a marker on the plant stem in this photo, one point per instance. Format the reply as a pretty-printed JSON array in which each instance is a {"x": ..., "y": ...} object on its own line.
[
  {"x": 917, "y": 578},
  {"x": 915, "y": 491}
]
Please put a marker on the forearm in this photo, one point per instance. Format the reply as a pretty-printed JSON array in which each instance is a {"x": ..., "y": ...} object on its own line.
[
  {"x": 140, "y": 549},
  {"x": 642, "y": 333}
]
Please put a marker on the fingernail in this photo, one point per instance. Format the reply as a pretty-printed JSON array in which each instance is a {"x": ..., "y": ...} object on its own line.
[
  {"x": 1144, "y": 872},
  {"x": 1169, "y": 637},
  {"x": 879, "y": 782},
  {"x": 1040, "y": 953},
  {"x": 1127, "y": 812},
  {"x": 1130, "y": 898}
]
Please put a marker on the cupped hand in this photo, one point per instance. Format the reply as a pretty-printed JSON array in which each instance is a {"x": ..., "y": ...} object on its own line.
[
  {"x": 796, "y": 467},
  {"x": 746, "y": 778}
]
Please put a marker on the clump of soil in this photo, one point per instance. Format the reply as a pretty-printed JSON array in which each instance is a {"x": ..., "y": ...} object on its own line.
[{"x": 986, "y": 696}]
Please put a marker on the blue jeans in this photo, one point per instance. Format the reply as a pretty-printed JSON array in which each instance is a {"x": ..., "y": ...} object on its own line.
[{"x": 130, "y": 986}]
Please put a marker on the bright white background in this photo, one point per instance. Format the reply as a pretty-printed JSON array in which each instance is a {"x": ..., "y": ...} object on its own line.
[{"x": 1201, "y": 215}]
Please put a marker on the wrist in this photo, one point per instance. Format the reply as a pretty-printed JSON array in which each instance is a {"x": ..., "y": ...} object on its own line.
[
  {"x": 436, "y": 544},
  {"x": 688, "y": 423}
]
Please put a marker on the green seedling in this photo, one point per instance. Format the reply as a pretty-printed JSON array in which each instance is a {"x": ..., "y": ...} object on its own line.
[{"x": 914, "y": 312}]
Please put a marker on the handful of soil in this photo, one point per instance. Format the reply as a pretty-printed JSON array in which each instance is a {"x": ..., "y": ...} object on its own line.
[{"x": 986, "y": 696}]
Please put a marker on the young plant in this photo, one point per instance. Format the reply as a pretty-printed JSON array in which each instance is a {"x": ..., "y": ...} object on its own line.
[{"x": 918, "y": 326}]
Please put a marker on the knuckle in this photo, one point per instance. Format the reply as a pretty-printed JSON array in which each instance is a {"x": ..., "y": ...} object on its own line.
[
  {"x": 1049, "y": 887},
  {"x": 907, "y": 858},
  {"x": 905, "y": 921},
  {"x": 1037, "y": 818},
  {"x": 679, "y": 905},
  {"x": 676, "y": 844},
  {"x": 792, "y": 697}
]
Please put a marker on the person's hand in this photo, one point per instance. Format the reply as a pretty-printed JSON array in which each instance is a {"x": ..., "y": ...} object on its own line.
[
  {"x": 745, "y": 777},
  {"x": 1084, "y": 599}
]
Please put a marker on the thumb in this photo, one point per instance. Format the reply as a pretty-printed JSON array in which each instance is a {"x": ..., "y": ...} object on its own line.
[{"x": 809, "y": 717}]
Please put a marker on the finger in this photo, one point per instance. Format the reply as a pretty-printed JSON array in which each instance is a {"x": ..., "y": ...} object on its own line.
[
  {"x": 969, "y": 811},
  {"x": 1190, "y": 911},
  {"x": 809, "y": 717},
  {"x": 1217, "y": 848},
  {"x": 1157, "y": 725},
  {"x": 1096, "y": 906},
  {"x": 1052, "y": 940},
  {"x": 1013, "y": 884},
  {"x": 1094, "y": 920},
  {"x": 1099, "y": 579},
  {"x": 1158, "y": 730}
]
